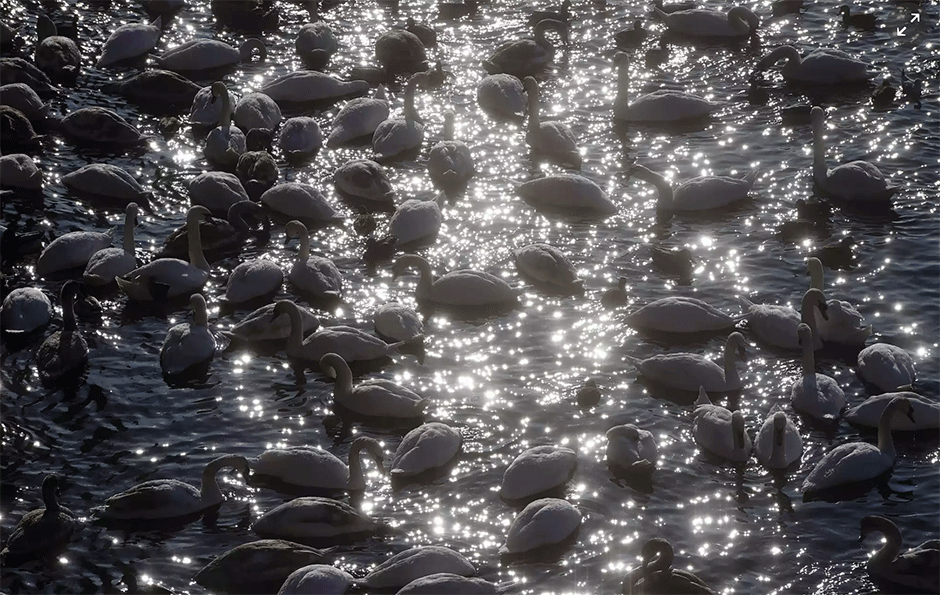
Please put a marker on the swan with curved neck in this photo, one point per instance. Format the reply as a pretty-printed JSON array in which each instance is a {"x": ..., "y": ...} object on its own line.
[
  {"x": 917, "y": 569},
  {"x": 697, "y": 194},
  {"x": 42, "y": 530},
  {"x": 396, "y": 136},
  {"x": 688, "y": 371},
  {"x": 662, "y": 106},
  {"x": 316, "y": 468},
  {"x": 779, "y": 325},
  {"x": 778, "y": 444},
  {"x": 657, "y": 575},
  {"x": 844, "y": 321},
  {"x": 313, "y": 275},
  {"x": 527, "y": 56},
  {"x": 719, "y": 431},
  {"x": 738, "y": 22},
  {"x": 225, "y": 143},
  {"x": 375, "y": 397},
  {"x": 820, "y": 67},
  {"x": 815, "y": 394},
  {"x": 464, "y": 287},
  {"x": 109, "y": 263},
  {"x": 553, "y": 139}
]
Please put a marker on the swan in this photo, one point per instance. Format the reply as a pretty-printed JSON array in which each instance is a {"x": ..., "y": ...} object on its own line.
[
  {"x": 679, "y": 314},
  {"x": 662, "y": 106},
  {"x": 393, "y": 136},
  {"x": 256, "y": 110},
  {"x": 358, "y": 119},
  {"x": 218, "y": 235},
  {"x": 108, "y": 263},
  {"x": 779, "y": 325},
  {"x": 397, "y": 322},
  {"x": 299, "y": 201},
  {"x": 740, "y": 21},
  {"x": 569, "y": 192},
  {"x": 171, "y": 277},
  {"x": 24, "y": 310},
  {"x": 886, "y": 366},
  {"x": 318, "y": 469},
  {"x": 42, "y": 531},
  {"x": 187, "y": 345},
  {"x": 22, "y": 97},
  {"x": 443, "y": 582},
  {"x": 19, "y": 171},
  {"x": 375, "y": 397},
  {"x": 71, "y": 251},
  {"x": 450, "y": 162},
  {"x": 304, "y": 86},
  {"x": 657, "y": 575},
  {"x": 130, "y": 41},
  {"x": 317, "y": 578},
  {"x": 313, "y": 275},
  {"x": 171, "y": 498},
  {"x": 631, "y": 449},
  {"x": 545, "y": 522},
  {"x": 315, "y": 42},
  {"x": 868, "y": 412},
  {"x": 209, "y": 54},
  {"x": 428, "y": 447},
  {"x": 844, "y": 322},
  {"x": 464, "y": 287},
  {"x": 261, "y": 325},
  {"x": 815, "y": 394},
  {"x": 256, "y": 168},
  {"x": 917, "y": 569},
  {"x": 414, "y": 563},
  {"x": 689, "y": 371},
  {"x": 225, "y": 142},
  {"x": 502, "y": 95},
  {"x": 104, "y": 179},
  {"x": 299, "y": 138},
  {"x": 698, "y": 194},
  {"x": 527, "y": 56},
  {"x": 719, "y": 431},
  {"x": 554, "y": 139},
  {"x": 257, "y": 566},
  {"x": 56, "y": 55},
  {"x": 778, "y": 444},
  {"x": 416, "y": 220},
  {"x": 547, "y": 264},
  {"x": 823, "y": 66},
  {"x": 859, "y": 461},
  {"x": 365, "y": 179},
  {"x": 312, "y": 518},
  {"x": 858, "y": 182},
  {"x": 538, "y": 470},
  {"x": 253, "y": 279}
]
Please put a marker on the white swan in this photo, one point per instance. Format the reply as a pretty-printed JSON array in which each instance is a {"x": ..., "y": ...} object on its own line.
[
  {"x": 868, "y": 412},
  {"x": 225, "y": 142},
  {"x": 527, "y": 56},
  {"x": 553, "y": 139},
  {"x": 917, "y": 569},
  {"x": 697, "y": 194},
  {"x": 858, "y": 182},
  {"x": 816, "y": 395},
  {"x": 171, "y": 498},
  {"x": 544, "y": 522},
  {"x": 171, "y": 277},
  {"x": 740, "y": 21},
  {"x": 208, "y": 54},
  {"x": 503, "y": 95},
  {"x": 778, "y": 444},
  {"x": 43, "y": 530},
  {"x": 538, "y": 470},
  {"x": 416, "y": 220},
  {"x": 859, "y": 461},
  {"x": 313, "y": 275},
  {"x": 844, "y": 322},
  {"x": 299, "y": 138},
  {"x": 71, "y": 251},
  {"x": 450, "y": 162},
  {"x": 304, "y": 86},
  {"x": 679, "y": 314},
  {"x": 888, "y": 367},
  {"x": 569, "y": 192},
  {"x": 129, "y": 41},
  {"x": 689, "y": 371},
  {"x": 443, "y": 582},
  {"x": 822, "y": 66},
  {"x": 253, "y": 279},
  {"x": 365, "y": 179},
  {"x": 317, "y": 578},
  {"x": 719, "y": 431},
  {"x": 319, "y": 469},
  {"x": 657, "y": 575},
  {"x": 426, "y": 448},
  {"x": 24, "y": 310},
  {"x": 394, "y": 136},
  {"x": 106, "y": 264},
  {"x": 216, "y": 190},
  {"x": 464, "y": 287},
  {"x": 659, "y": 106},
  {"x": 375, "y": 397},
  {"x": 311, "y": 518},
  {"x": 315, "y": 42},
  {"x": 631, "y": 449},
  {"x": 299, "y": 201},
  {"x": 547, "y": 264},
  {"x": 397, "y": 322},
  {"x": 413, "y": 563},
  {"x": 104, "y": 179},
  {"x": 189, "y": 344},
  {"x": 259, "y": 566},
  {"x": 779, "y": 325},
  {"x": 261, "y": 326},
  {"x": 358, "y": 119},
  {"x": 256, "y": 110}
]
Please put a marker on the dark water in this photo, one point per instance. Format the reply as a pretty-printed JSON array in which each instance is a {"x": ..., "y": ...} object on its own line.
[{"x": 508, "y": 383}]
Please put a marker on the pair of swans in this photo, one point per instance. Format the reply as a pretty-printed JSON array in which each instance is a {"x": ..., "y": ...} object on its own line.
[
  {"x": 107, "y": 264},
  {"x": 537, "y": 470},
  {"x": 65, "y": 351},
  {"x": 464, "y": 287},
  {"x": 553, "y": 139},
  {"x": 543, "y": 523},
  {"x": 701, "y": 193},
  {"x": 689, "y": 372},
  {"x": 188, "y": 345},
  {"x": 816, "y": 395},
  {"x": 318, "y": 469},
  {"x": 662, "y": 106},
  {"x": 779, "y": 325}
]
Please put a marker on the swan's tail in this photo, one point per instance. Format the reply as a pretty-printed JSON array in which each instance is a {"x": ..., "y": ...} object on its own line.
[
  {"x": 633, "y": 361},
  {"x": 702, "y": 397}
]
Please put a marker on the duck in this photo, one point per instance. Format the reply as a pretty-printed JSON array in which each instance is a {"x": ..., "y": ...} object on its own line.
[
  {"x": 563, "y": 14},
  {"x": 253, "y": 279},
  {"x": 455, "y": 10},
  {"x": 56, "y": 55},
  {"x": 364, "y": 179},
  {"x": 263, "y": 325},
  {"x": 568, "y": 192},
  {"x": 23, "y": 98},
  {"x": 42, "y": 531},
  {"x": 548, "y": 265},
  {"x": 616, "y": 297},
  {"x": 443, "y": 582},
  {"x": 867, "y": 414},
  {"x": 502, "y": 95},
  {"x": 311, "y": 518},
  {"x": 358, "y": 119},
  {"x": 719, "y": 431},
  {"x": 306, "y": 86},
  {"x": 658, "y": 107},
  {"x": 538, "y": 470},
  {"x": 816, "y": 395},
  {"x": 416, "y": 221},
  {"x": 450, "y": 162},
  {"x": 674, "y": 262},
  {"x": 822, "y": 66},
  {"x": 156, "y": 88},
  {"x": 917, "y": 569},
  {"x": 630, "y": 38},
  {"x": 299, "y": 201},
  {"x": 413, "y": 563},
  {"x": 395, "y": 322},
  {"x": 25, "y": 310},
  {"x": 701, "y": 193},
  {"x": 553, "y": 139},
  {"x": 256, "y": 168},
  {"x": 542, "y": 523},
  {"x": 687, "y": 371},
  {"x": 107, "y": 181},
  {"x": 299, "y": 139},
  {"x": 424, "y": 33},
  {"x": 527, "y": 56},
  {"x": 657, "y": 575},
  {"x": 631, "y": 449},
  {"x": 843, "y": 324},
  {"x": 864, "y": 21},
  {"x": 259, "y": 566},
  {"x": 186, "y": 345},
  {"x": 217, "y": 235},
  {"x": 779, "y": 325},
  {"x": 837, "y": 255},
  {"x": 884, "y": 95},
  {"x": 224, "y": 143},
  {"x": 315, "y": 42},
  {"x": 209, "y": 54},
  {"x": 318, "y": 469},
  {"x": 99, "y": 126},
  {"x": 400, "y": 51},
  {"x": 108, "y": 263},
  {"x": 778, "y": 444},
  {"x": 393, "y": 137},
  {"x": 71, "y": 251},
  {"x": 854, "y": 462},
  {"x": 738, "y": 22},
  {"x": 317, "y": 578},
  {"x": 377, "y": 398},
  {"x": 886, "y": 366},
  {"x": 859, "y": 183},
  {"x": 427, "y": 448},
  {"x": 130, "y": 41},
  {"x": 171, "y": 277},
  {"x": 312, "y": 275},
  {"x": 464, "y": 287},
  {"x": 679, "y": 314},
  {"x": 257, "y": 110}
]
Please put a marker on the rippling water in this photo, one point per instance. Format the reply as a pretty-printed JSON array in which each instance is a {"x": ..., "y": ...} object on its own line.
[{"x": 508, "y": 383}]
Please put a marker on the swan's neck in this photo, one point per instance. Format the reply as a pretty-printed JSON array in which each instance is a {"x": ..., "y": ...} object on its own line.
[
  {"x": 885, "y": 440},
  {"x": 411, "y": 113},
  {"x": 210, "y": 491},
  {"x": 893, "y": 542},
  {"x": 129, "y": 219},
  {"x": 196, "y": 257},
  {"x": 820, "y": 173},
  {"x": 731, "y": 368},
  {"x": 533, "y": 111}
]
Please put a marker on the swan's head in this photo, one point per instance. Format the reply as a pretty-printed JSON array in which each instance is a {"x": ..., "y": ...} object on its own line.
[
  {"x": 780, "y": 427},
  {"x": 737, "y": 427}
]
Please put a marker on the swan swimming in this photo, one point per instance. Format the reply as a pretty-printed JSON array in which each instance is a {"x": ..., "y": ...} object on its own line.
[
  {"x": 719, "y": 431},
  {"x": 815, "y": 394},
  {"x": 106, "y": 264},
  {"x": 659, "y": 106},
  {"x": 822, "y": 66},
  {"x": 779, "y": 325},
  {"x": 697, "y": 194},
  {"x": 778, "y": 444},
  {"x": 917, "y": 569},
  {"x": 375, "y": 397},
  {"x": 688, "y": 371},
  {"x": 319, "y": 469},
  {"x": 538, "y": 470},
  {"x": 553, "y": 139},
  {"x": 844, "y": 323}
]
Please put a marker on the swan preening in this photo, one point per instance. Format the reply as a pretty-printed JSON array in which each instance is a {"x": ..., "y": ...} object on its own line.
[
  {"x": 318, "y": 469},
  {"x": 656, "y": 575},
  {"x": 662, "y": 106},
  {"x": 917, "y": 569},
  {"x": 719, "y": 431},
  {"x": 688, "y": 371}
]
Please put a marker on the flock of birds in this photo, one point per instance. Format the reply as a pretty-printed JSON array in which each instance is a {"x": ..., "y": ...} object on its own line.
[{"x": 242, "y": 192}]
